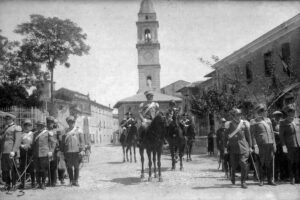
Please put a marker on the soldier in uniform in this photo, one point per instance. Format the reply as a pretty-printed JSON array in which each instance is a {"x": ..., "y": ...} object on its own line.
[
  {"x": 264, "y": 143},
  {"x": 281, "y": 160},
  {"x": 43, "y": 148},
  {"x": 10, "y": 142},
  {"x": 73, "y": 148},
  {"x": 52, "y": 175},
  {"x": 61, "y": 164},
  {"x": 189, "y": 132},
  {"x": 26, "y": 154},
  {"x": 238, "y": 139},
  {"x": 289, "y": 132},
  {"x": 147, "y": 112},
  {"x": 220, "y": 137}
]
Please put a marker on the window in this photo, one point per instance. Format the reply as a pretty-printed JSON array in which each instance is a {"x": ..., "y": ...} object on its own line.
[
  {"x": 286, "y": 57},
  {"x": 147, "y": 35},
  {"x": 268, "y": 64},
  {"x": 249, "y": 75},
  {"x": 146, "y": 17}
]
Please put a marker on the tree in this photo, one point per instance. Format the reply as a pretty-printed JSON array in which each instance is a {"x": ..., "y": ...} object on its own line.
[
  {"x": 19, "y": 71},
  {"x": 52, "y": 41}
]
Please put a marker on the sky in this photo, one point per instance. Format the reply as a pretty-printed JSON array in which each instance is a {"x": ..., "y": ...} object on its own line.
[{"x": 187, "y": 31}]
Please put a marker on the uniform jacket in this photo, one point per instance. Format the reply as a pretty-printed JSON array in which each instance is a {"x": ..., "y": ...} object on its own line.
[
  {"x": 220, "y": 137},
  {"x": 73, "y": 141},
  {"x": 149, "y": 109},
  {"x": 10, "y": 139},
  {"x": 27, "y": 140},
  {"x": 241, "y": 141},
  {"x": 260, "y": 133},
  {"x": 289, "y": 133},
  {"x": 43, "y": 144}
]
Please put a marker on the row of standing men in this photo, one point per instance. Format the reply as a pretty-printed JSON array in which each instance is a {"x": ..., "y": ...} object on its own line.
[
  {"x": 44, "y": 150},
  {"x": 270, "y": 140}
]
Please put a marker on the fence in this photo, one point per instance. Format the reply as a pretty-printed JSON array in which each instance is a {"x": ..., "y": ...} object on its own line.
[{"x": 21, "y": 114}]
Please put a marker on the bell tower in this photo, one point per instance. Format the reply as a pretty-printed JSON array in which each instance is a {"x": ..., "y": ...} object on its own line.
[{"x": 148, "y": 48}]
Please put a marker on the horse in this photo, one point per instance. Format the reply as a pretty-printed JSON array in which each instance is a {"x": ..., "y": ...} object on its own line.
[
  {"x": 123, "y": 137},
  {"x": 176, "y": 139},
  {"x": 131, "y": 140},
  {"x": 152, "y": 139},
  {"x": 189, "y": 132}
]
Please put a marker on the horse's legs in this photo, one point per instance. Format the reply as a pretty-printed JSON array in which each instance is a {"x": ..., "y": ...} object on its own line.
[
  {"x": 154, "y": 163},
  {"x": 181, "y": 152},
  {"x": 134, "y": 152},
  {"x": 150, "y": 164},
  {"x": 190, "y": 150},
  {"x": 130, "y": 152},
  {"x": 172, "y": 151},
  {"x": 187, "y": 153},
  {"x": 142, "y": 161},
  {"x": 127, "y": 148},
  {"x": 159, "y": 166},
  {"x": 123, "y": 147}
]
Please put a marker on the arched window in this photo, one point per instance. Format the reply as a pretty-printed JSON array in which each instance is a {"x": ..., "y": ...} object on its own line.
[
  {"x": 148, "y": 35},
  {"x": 249, "y": 75}
]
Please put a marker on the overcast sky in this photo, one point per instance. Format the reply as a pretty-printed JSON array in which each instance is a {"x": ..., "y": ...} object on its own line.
[{"x": 188, "y": 30}]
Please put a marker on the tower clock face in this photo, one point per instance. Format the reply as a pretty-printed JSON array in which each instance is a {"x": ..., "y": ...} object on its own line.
[{"x": 148, "y": 56}]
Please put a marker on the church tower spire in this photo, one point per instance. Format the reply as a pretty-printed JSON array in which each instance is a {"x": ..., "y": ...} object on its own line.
[{"x": 148, "y": 48}]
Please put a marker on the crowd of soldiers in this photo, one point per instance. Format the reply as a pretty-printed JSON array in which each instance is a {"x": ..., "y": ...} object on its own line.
[
  {"x": 271, "y": 146},
  {"x": 43, "y": 152}
]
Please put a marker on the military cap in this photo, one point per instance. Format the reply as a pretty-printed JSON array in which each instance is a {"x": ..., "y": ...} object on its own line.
[
  {"x": 50, "y": 119},
  {"x": 236, "y": 111},
  {"x": 42, "y": 123},
  {"x": 27, "y": 121},
  {"x": 70, "y": 119},
  {"x": 9, "y": 115},
  {"x": 260, "y": 107},
  {"x": 289, "y": 107},
  {"x": 277, "y": 113},
  {"x": 148, "y": 92}
]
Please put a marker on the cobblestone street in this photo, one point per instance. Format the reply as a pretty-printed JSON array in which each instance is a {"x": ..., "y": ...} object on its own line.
[{"x": 107, "y": 177}]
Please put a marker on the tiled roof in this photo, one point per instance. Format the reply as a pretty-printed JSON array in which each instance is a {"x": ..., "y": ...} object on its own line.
[{"x": 140, "y": 97}]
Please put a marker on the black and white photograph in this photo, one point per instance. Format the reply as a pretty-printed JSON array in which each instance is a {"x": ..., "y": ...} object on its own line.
[{"x": 149, "y": 99}]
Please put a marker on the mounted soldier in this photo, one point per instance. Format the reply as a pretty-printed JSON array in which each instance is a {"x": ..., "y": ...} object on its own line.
[
  {"x": 148, "y": 110},
  {"x": 10, "y": 140}
]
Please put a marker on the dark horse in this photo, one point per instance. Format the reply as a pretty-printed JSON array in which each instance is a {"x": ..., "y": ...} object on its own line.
[
  {"x": 152, "y": 139},
  {"x": 123, "y": 141},
  {"x": 176, "y": 139},
  {"x": 131, "y": 140},
  {"x": 189, "y": 132}
]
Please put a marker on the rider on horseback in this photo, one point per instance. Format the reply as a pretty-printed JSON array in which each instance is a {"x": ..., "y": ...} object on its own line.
[{"x": 148, "y": 110}]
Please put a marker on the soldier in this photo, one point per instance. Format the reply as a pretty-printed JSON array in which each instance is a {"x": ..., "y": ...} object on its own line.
[
  {"x": 61, "y": 164},
  {"x": 148, "y": 110},
  {"x": 171, "y": 115},
  {"x": 281, "y": 161},
  {"x": 220, "y": 137},
  {"x": 238, "y": 139},
  {"x": 26, "y": 154},
  {"x": 264, "y": 143},
  {"x": 43, "y": 148},
  {"x": 52, "y": 175},
  {"x": 289, "y": 132},
  {"x": 189, "y": 132},
  {"x": 10, "y": 142},
  {"x": 73, "y": 148}
]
